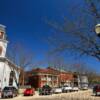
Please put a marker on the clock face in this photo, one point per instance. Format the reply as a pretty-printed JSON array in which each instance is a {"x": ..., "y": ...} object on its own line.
[
  {"x": 0, "y": 50},
  {"x": 1, "y": 35}
]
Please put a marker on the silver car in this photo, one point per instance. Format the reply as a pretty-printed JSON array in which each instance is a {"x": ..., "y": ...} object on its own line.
[
  {"x": 9, "y": 91},
  {"x": 57, "y": 90}
]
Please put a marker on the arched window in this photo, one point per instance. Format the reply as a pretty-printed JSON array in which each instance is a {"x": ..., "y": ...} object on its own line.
[
  {"x": 11, "y": 78},
  {"x": 0, "y": 50},
  {"x": 1, "y": 35}
]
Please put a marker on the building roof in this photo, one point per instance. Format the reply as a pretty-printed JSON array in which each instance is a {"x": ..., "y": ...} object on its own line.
[
  {"x": 45, "y": 71},
  {"x": 10, "y": 63},
  {"x": 48, "y": 70}
]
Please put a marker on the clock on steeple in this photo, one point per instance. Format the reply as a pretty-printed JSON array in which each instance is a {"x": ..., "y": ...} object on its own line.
[{"x": 3, "y": 41}]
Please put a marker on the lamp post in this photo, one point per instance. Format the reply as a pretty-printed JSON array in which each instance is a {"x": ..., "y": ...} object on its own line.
[{"x": 97, "y": 29}]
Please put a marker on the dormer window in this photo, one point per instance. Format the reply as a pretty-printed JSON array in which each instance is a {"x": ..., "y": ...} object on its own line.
[{"x": 1, "y": 35}]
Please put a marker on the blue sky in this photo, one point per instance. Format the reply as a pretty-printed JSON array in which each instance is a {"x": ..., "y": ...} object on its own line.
[{"x": 25, "y": 22}]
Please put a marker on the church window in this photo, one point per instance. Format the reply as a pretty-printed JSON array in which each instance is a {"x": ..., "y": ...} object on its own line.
[
  {"x": 0, "y": 50},
  {"x": 11, "y": 78},
  {"x": 1, "y": 35}
]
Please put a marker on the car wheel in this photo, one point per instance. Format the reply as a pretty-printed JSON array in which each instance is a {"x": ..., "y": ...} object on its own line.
[
  {"x": 2, "y": 96},
  {"x": 95, "y": 94},
  {"x": 16, "y": 95},
  {"x": 11, "y": 96}
]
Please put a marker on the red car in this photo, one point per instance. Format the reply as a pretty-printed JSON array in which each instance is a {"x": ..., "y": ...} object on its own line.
[
  {"x": 29, "y": 92},
  {"x": 96, "y": 90}
]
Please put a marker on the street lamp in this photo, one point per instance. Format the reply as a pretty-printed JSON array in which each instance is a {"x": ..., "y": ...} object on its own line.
[{"x": 97, "y": 29}]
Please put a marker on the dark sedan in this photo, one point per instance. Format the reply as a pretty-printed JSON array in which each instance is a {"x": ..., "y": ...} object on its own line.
[
  {"x": 96, "y": 90},
  {"x": 45, "y": 90}
]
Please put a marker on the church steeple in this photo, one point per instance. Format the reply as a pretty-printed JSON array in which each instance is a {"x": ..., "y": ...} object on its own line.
[
  {"x": 2, "y": 32},
  {"x": 3, "y": 41}
]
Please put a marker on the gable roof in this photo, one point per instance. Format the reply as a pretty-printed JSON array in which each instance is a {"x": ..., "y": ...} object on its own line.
[{"x": 9, "y": 63}]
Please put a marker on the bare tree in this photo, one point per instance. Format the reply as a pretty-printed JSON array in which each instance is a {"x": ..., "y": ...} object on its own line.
[
  {"x": 57, "y": 62},
  {"x": 22, "y": 57},
  {"x": 83, "y": 68},
  {"x": 76, "y": 33}
]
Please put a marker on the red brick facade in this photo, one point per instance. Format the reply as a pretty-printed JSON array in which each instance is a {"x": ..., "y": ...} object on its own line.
[
  {"x": 39, "y": 77},
  {"x": 65, "y": 78}
]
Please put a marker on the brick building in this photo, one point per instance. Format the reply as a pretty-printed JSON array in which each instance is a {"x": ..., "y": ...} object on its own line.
[
  {"x": 39, "y": 77},
  {"x": 66, "y": 78}
]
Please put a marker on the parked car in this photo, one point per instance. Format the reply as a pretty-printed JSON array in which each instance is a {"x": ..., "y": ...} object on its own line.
[
  {"x": 45, "y": 90},
  {"x": 29, "y": 92},
  {"x": 57, "y": 90},
  {"x": 96, "y": 90},
  {"x": 9, "y": 91},
  {"x": 75, "y": 89},
  {"x": 84, "y": 88},
  {"x": 67, "y": 88}
]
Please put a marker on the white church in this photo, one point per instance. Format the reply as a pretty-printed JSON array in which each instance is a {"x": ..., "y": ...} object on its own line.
[{"x": 9, "y": 72}]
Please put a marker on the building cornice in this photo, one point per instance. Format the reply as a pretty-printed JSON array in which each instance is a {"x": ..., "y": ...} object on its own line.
[
  {"x": 4, "y": 59},
  {"x": 3, "y": 40}
]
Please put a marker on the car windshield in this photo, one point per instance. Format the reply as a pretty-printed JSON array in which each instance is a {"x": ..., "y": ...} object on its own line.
[
  {"x": 8, "y": 88},
  {"x": 65, "y": 86},
  {"x": 46, "y": 86},
  {"x": 29, "y": 89}
]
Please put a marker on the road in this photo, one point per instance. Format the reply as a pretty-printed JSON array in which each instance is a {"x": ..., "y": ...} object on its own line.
[{"x": 80, "y": 95}]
